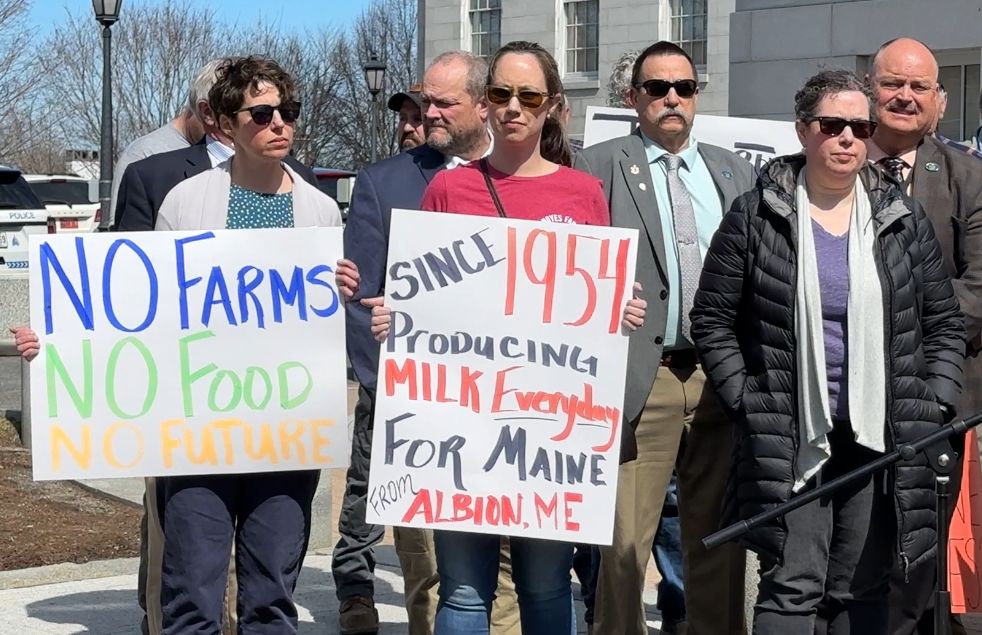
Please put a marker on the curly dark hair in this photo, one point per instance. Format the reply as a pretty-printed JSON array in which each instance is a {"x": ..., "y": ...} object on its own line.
[
  {"x": 235, "y": 76},
  {"x": 828, "y": 82}
]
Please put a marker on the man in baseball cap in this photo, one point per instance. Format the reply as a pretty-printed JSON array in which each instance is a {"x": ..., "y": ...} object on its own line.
[{"x": 409, "y": 106}]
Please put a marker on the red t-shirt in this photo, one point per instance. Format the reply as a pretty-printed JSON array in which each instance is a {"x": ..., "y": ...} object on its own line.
[{"x": 565, "y": 196}]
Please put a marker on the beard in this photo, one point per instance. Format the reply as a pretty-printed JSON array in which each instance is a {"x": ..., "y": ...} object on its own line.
[{"x": 457, "y": 143}]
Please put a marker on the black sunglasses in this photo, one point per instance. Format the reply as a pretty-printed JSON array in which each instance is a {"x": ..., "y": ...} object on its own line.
[
  {"x": 658, "y": 88},
  {"x": 833, "y": 126},
  {"x": 527, "y": 97},
  {"x": 263, "y": 113}
]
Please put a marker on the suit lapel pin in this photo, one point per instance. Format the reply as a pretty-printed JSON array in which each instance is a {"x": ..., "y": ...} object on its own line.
[
  {"x": 635, "y": 170},
  {"x": 727, "y": 174},
  {"x": 932, "y": 167},
  {"x": 642, "y": 186}
]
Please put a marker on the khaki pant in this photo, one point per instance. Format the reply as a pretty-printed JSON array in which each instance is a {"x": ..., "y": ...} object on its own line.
[
  {"x": 417, "y": 557},
  {"x": 151, "y": 561},
  {"x": 681, "y": 427}
]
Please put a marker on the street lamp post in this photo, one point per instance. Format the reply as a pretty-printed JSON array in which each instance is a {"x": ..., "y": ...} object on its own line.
[
  {"x": 106, "y": 13},
  {"x": 375, "y": 78}
]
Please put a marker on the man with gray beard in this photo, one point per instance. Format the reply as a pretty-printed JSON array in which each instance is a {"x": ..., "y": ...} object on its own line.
[
  {"x": 454, "y": 120},
  {"x": 674, "y": 191}
]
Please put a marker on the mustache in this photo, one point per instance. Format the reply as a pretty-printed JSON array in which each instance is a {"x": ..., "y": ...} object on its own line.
[
  {"x": 672, "y": 112},
  {"x": 909, "y": 108}
]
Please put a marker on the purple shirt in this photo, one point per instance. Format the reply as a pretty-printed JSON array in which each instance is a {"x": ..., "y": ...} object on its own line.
[{"x": 832, "y": 256}]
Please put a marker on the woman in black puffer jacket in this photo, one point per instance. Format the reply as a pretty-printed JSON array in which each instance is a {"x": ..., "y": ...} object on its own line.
[{"x": 829, "y": 329}]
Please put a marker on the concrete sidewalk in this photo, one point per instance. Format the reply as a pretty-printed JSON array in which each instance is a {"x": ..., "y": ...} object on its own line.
[{"x": 98, "y": 605}]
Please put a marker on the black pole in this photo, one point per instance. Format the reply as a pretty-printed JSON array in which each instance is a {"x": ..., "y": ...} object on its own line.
[
  {"x": 942, "y": 600},
  {"x": 373, "y": 122},
  {"x": 106, "y": 149}
]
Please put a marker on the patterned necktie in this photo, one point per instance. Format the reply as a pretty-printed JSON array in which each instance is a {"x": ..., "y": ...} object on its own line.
[
  {"x": 895, "y": 167},
  {"x": 686, "y": 236}
]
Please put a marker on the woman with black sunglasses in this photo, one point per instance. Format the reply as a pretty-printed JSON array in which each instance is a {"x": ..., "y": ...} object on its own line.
[
  {"x": 829, "y": 329},
  {"x": 265, "y": 515}
]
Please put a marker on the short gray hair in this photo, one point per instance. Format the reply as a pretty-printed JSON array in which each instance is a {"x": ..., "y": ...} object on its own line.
[
  {"x": 619, "y": 81},
  {"x": 824, "y": 83},
  {"x": 477, "y": 70},
  {"x": 201, "y": 85}
]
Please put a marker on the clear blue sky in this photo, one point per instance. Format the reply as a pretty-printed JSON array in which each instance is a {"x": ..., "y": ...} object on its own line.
[{"x": 292, "y": 15}]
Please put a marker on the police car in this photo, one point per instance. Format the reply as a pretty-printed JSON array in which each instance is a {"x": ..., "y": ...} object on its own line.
[
  {"x": 72, "y": 200},
  {"x": 21, "y": 215}
]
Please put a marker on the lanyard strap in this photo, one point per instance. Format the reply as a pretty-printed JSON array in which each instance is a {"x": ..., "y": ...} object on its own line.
[{"x": 494, "y": 193}]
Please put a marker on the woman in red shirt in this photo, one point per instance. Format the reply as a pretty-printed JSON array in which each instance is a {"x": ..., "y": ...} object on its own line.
[
  {"x": 529, "y": 178},
  {"x": 528, "y": 163}
]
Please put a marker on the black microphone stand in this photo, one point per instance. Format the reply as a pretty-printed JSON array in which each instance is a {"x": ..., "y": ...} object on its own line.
[{"x": 942, "y": 459}]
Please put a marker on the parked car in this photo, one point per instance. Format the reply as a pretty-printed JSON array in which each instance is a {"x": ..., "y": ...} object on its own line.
[
  {"x": 21, "y": 215},
  {"x": 337, "y": 184},
  {"x": 71, "y": 200}
]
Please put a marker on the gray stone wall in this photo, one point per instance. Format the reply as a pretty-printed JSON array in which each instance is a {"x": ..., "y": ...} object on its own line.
[
  {"x": 625, "y": 25},
  {"x": 775, "y": 45}
]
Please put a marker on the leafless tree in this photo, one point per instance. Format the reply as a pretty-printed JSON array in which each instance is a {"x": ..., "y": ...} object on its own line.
[
  {"x": 158, "y": 47},
  {"x": 386, "y": 28}
]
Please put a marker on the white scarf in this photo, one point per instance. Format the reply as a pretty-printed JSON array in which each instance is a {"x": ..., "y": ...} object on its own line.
[{"x": 864, "y": 344}]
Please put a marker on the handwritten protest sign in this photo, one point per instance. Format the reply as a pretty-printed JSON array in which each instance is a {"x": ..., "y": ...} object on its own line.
[
  {"x": 168, "y": 353},
  {"x": 502, "y": 382},
  {"x": 965, "y": 537},
  {"x": 756, "y": 140}
]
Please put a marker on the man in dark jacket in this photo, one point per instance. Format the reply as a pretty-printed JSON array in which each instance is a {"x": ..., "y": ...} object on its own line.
[
  {"x": 948, "y": 185},
  {"x": 674, "y": 190}
]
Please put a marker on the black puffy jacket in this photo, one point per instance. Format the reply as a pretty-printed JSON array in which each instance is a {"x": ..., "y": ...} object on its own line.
[{"x": 743, "y": 329}]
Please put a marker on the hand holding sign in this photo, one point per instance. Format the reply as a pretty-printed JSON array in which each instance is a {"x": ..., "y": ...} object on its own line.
[
  {"x": 635, "y": 310},
  {"x": 26, "y": 341}
]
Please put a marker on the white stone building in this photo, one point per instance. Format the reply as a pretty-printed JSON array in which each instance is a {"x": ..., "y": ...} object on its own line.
[
  {"x": 587, "y": 37},
  {"x": 775, "y": 45}
]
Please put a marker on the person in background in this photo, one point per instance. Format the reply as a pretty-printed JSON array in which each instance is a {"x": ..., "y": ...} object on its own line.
[
  {"x": 945, "y": 182},
  {"x": 182, "y": 131},
  {"x": 266, "y": 515},
  {"x": 830, "y": 331},
  {"x": 409, "y": 129}
]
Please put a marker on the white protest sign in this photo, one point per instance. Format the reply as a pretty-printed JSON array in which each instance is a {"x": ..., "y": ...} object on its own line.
[
  {"x": 501, "y": 385},
  {"x": 171, "y": 353},
  {"x": 756, "y": 140}
]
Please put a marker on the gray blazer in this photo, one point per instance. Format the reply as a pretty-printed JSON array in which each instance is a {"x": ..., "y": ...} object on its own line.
[{"x": 622, "y": 165}]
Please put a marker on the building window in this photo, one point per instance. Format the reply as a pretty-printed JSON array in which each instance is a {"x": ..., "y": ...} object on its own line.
[
  {"x": 962, "y": 115},
  {"x": 485, "y": 27},
  {"x": 689, "y": 20},
  {"x": 582, "y": 33}
]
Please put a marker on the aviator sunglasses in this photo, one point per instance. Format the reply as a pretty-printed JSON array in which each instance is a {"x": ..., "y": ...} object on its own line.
[
  {"x": 833, "y": 126},
  {"x": 263, "y": 113},
  {"x": 658, "y": 88},
  {"x": 526, "y": 97}
]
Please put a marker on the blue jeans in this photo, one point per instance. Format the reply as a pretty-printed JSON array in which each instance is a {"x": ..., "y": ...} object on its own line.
[
  {"x": 667, "y": 550},
  {"x": 468, "y": 568}
]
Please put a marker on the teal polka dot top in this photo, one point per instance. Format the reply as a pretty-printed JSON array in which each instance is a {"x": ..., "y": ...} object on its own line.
[{"x": 258, "y": 210}]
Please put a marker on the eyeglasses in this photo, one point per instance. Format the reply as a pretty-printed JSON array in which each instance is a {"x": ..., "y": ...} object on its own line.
[
  {"x": 833, "y": 126},
  {"x": 658, "y": 88},
  {"x": 527, "y": 98},
  {"x": 263, "y": 113}
]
